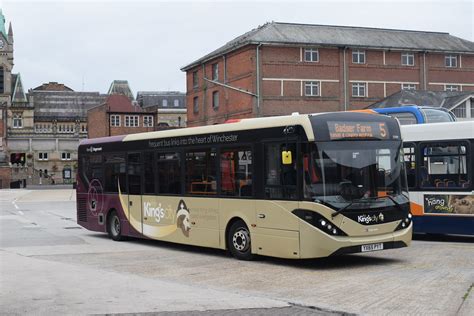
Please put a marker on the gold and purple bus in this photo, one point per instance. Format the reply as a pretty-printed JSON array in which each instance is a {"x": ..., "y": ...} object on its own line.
[{"x": 299, "y": 186}]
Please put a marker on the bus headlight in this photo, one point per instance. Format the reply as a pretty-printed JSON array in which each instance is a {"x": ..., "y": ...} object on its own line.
[
  {"x": 405, "y": 222},
  {"x": 320, "y": 222}
]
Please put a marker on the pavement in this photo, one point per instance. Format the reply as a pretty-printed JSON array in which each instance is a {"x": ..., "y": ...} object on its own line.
[{"x": 50, "y": 265}]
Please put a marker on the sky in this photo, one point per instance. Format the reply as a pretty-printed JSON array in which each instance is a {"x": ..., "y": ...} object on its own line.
[{"x": 88, "y": 44}]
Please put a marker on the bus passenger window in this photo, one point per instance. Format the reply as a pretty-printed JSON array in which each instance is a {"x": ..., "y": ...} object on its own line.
[
  {"x": 444, "y": 165},
  {"x": 410, "y": 164},
  {"x": 280, "y": 179},
  {"x": 169, "y": 173},
  {"x": 201, "y": 172},
  {"x": 134, "y": 174},
  {"x": 236, "y": 172},
  {"x": 149, "y": 173},
  {"x": 114, "y": 173}
]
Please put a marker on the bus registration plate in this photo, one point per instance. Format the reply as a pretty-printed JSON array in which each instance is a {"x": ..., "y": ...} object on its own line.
[{"x": 372, "y": 247}]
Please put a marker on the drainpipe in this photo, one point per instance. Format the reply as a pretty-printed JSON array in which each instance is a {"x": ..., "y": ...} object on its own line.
[
  {"x": 424, "y": 71},
  {"x": 258, "y": 81},
  {"x": 344, "y": 66},
  {"x": 225, "y": 68}
]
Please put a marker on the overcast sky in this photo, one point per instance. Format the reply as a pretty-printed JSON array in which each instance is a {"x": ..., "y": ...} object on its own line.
[{"x": 87, "y": 44}]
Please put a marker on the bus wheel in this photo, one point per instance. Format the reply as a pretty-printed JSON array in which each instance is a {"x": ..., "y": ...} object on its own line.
[
  {"x": 238, "y": 240},
  {"x": 114, "y": 227}
]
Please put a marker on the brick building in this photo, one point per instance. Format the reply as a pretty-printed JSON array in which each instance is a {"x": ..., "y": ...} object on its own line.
[
  {"x": 280, "y": 68},
  {"x": 118, "y": 115}
]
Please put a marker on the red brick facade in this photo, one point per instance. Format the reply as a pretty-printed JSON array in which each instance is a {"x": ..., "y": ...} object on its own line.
[
  {"x": 118, "y": 116},
  {"x": 283, "y": 73}
]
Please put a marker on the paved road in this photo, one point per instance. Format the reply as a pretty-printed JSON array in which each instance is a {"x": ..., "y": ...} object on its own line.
[{"x": 50, "y": 265}]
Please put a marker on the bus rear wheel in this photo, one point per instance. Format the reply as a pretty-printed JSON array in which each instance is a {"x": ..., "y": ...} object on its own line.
[
  {"x": 114, "y": 227},
  {"x": 239, "y": 241}
]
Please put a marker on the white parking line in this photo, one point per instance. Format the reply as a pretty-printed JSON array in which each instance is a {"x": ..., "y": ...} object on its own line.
[
  {"x": 16, "y": 206},
  {"x": 21, "y": 213}
]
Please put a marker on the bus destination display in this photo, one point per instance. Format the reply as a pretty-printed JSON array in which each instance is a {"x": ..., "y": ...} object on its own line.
[{"x": 342, "y": 130}]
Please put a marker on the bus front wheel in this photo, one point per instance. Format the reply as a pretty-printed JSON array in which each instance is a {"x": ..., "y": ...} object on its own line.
[
  {"x": 114, "y": 226},
  {"x": 238, "y": 240}
]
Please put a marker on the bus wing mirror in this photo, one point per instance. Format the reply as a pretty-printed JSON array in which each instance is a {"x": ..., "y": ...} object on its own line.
[{"x": 286, "y": 157}]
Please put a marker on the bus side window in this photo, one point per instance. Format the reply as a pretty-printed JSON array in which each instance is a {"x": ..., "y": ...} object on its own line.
[
  {"x": 114, "y": 173},
  {"x": 410, "y": 164},
  {"x": 149, "y": 173},
  {"x": 169, "y": 173},
  {"x": 280, "y": 179},
  {"x": 134, "y": 170},
  {"x": 236, "y": 172},
  {"x": 201, "y": 172},
  {"x": 444, "y": 165}
]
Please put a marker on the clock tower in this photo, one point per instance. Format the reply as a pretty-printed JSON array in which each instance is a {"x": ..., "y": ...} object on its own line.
[{"x": 6, "y": 65}]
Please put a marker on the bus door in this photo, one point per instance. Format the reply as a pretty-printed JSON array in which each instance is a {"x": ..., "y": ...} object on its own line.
[
  {"x": 277, "y": 227},
  {"x": 135, "y": 175}
]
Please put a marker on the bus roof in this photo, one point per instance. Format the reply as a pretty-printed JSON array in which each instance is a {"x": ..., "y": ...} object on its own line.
[
  {"x": 241, "y": 125},
  {"x": 438, "y": 131}
]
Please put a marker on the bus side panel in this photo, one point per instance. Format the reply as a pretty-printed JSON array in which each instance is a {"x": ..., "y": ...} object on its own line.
[
  {"x": 441, "y": 223},
  {"x": 190, "y": 220},
  {"x": 276, "y": 233},
  {"x": 236, "y": 208}
]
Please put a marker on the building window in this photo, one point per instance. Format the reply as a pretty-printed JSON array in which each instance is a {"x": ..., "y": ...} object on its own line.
[
  {"x": 65, "y": 156},
  {"x": 359, "y": 90},
  {"x": 460, "y": 111},
  {"x": 42, "y": 156},
  {"x": 358, "y": 57},
  {"x": 195, "y": 104},
  {"x": 148, "y": 121},
  {"x": 2, "y": 79},
  {"x": 451, "y": 87},
  {"x": 84, "y": 128},
  {"x": 451, "y": 61},
  {"x": 408, "y": 86},
  {"x": 17, "y": 121},
  {"x": 215, "y": 72},
  {"x": 311, "y": 88},
  {"x": 176, "y": 102},
  {"x": 311, "y": 55},
  {"x": 408, "y": 59},
  {"x": 215, "y": 99},
  {"x": 195, "y": 79},
  {"x": 131, "y": 121},
  {"x": 164, "y": 103},
  {"x": 114, "y": 121}
]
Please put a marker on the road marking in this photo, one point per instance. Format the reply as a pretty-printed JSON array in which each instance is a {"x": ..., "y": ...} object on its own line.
[
  {"x": 16, "y": 206},
  {"x": 21, "y": 213}
]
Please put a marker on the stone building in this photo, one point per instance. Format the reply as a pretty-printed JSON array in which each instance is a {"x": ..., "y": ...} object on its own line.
[
  {"x": 169, "y": 107},
  {"x": 44, "y": 132},
  {"x": 6, "y": 85},
  {"x": 280, "y": 68},
  {"x": 121, "y": 87},
  {"x": 118, "y": 115}
]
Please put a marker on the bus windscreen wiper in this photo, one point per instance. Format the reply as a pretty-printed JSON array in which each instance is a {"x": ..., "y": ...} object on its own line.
[
  {"x": 366, "y": 200},
  {"x": 339, "y": 211}
]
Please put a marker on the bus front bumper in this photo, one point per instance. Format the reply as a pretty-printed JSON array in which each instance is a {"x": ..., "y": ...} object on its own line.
[{"x": 314, "y": 244}]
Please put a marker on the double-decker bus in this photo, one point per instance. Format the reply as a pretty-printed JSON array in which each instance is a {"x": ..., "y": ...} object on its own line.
[
  {"x": 299, "y": 186},
  {"x": 440, "y": 164},
  {"x": 414, "y": 114}
]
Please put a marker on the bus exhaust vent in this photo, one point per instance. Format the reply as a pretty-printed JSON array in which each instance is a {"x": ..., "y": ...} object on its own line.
[{"x": 82, "y": 209}]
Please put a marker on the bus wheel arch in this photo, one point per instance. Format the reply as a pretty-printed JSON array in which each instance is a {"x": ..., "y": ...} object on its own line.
[
  {"x": 114, "y": 225},
  {"x": 238, "y": 239}
]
